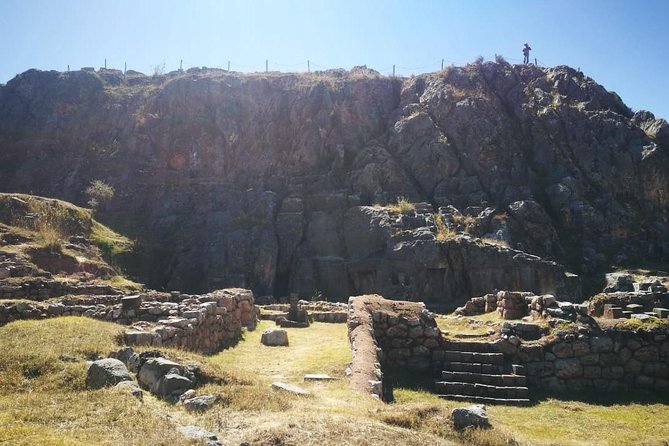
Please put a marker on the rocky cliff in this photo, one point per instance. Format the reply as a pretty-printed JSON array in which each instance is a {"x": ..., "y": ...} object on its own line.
[{"x": 260, "y": 180}]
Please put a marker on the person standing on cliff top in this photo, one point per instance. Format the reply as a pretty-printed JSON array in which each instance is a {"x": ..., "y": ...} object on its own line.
[{"x": 526, "y": 53}]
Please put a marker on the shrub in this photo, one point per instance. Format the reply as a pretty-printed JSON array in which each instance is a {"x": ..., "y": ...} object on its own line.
[
  {"x": 465, "y": 220},
  {"x": 443, "y": 231},
  {"x": 500, "y": 59},
  {"x": 158, "y": 70},
  {"x": 98, "y": 192},
  {"x": 403, "y": 206}
]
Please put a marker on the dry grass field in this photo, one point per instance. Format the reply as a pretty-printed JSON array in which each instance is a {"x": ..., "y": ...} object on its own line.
[{"x": 43, "y": 400}]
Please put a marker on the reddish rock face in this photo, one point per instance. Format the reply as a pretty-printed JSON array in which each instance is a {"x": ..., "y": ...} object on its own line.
[{"x": 255, "y": 180}]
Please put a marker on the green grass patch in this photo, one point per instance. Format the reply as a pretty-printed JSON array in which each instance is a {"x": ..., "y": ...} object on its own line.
[{"x": 648, "y": 324}]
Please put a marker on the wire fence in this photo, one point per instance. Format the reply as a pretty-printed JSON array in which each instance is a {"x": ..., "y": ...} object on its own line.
[{"x": 310, "y": 66}]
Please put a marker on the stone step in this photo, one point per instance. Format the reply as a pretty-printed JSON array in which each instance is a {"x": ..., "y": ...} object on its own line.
[
  {"x": 486, "y": 400},
  {"x": 470, "y": 346},
  {"x": 485, "y": 390},
  {"x": 474, "y": 357},
  {"x": 662, "y": 313},
  {"x": 484, "y": 378},
  {"x": 472, "y": 367}
]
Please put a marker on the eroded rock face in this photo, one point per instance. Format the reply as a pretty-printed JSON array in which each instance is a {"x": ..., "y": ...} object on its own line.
[{"x": 255, "y": 180}]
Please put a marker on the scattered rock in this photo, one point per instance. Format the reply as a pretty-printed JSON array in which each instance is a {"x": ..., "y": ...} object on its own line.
[
  {"x": 318, "y": 377},
  {"x": 199, "y": 433},
  {"x": 171, "y": 386},
  {"x": 106, "y": 372},
  {"x": 290, "y": 388},
  {"x": 187, "y": 395},
  {"x": 274, "y": 337},
  {"x": 133, "y": 388},
  {"x": 153, "y": 369},
  {"x": 470, "y": 416},
  {"x": 123, "y": 354},
  {"x": 201, "y": 403}
]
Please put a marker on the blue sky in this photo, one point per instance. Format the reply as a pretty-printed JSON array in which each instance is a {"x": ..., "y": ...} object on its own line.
[{"x": 621, "y": 44}]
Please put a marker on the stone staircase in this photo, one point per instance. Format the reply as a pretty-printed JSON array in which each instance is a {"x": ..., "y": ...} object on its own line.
[{"x": 476, "y": 371}]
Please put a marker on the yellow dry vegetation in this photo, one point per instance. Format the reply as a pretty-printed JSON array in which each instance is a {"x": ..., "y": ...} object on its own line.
[{"x": 44, "y": 400}]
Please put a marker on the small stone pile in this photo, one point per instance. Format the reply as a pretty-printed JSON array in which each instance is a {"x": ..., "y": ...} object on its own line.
[{"x": 162, "y": 377}]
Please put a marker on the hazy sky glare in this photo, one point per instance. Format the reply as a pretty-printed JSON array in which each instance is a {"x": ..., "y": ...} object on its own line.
[{"x": 621, "y": 44}]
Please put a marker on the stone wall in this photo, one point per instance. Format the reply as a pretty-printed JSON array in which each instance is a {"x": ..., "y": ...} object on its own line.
[
  {"x": 516, "y": 304},
  {"x": 40, "y": 289},
  {"x": 330, "y": 312},
  {"x": 609, "y": 361},
  {"x": 205, "y": 322},
  {"x": 390, "y": 334},
  {"x": 387, "y": 333}
]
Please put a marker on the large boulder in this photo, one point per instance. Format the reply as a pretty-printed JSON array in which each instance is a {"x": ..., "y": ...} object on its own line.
[
  {"x": 106, "y": 372},
  {"x": 171, "y": 386},
  {"x": 154, "y": 369},
  {"x": 470, "y": 416},
  {"x": 274, "y": 337}
]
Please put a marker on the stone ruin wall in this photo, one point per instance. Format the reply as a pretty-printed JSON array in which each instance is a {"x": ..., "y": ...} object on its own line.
[
  {"x": 610, "y": 361},
  {"x": 206, "y": 323},
  {"x": 405, "y": 335},
  {"x": 40, "y": 289},
  {"x": 328, "y": 312},
  {"x": 390, "y": 333}
]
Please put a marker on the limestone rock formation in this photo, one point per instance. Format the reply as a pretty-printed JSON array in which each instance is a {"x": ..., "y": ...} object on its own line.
[{"x": 258, "y": 180}]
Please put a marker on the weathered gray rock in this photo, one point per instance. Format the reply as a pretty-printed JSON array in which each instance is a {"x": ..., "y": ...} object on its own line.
[
  {"x": 123, "y": 355},
  {"x": 131, "y": 387},
  {"x": 470, "y": 416},
  {"x": 201, "y": 403},
  {"x": 274, "y": 337},
  {"x": 153, "y": 369},
  {"x": 601, "y": 344},
  {"x": 290, "y": 388},
  {"x": 106, "y": 372},
  {"x": 199, "y": 433},
  {"x": 568, "y": 368},
  {"x": 288, "y": 208},
  {"x": 171, "y": 386}
]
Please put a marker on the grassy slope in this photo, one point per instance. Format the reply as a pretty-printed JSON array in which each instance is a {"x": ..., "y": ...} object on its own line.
[
  {"x": 52, "y": 222},
  {"x": 43, "y": 400}
]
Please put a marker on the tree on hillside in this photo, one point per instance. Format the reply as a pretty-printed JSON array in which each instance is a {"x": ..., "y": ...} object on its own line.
[{"x": 98, "y": 192}]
